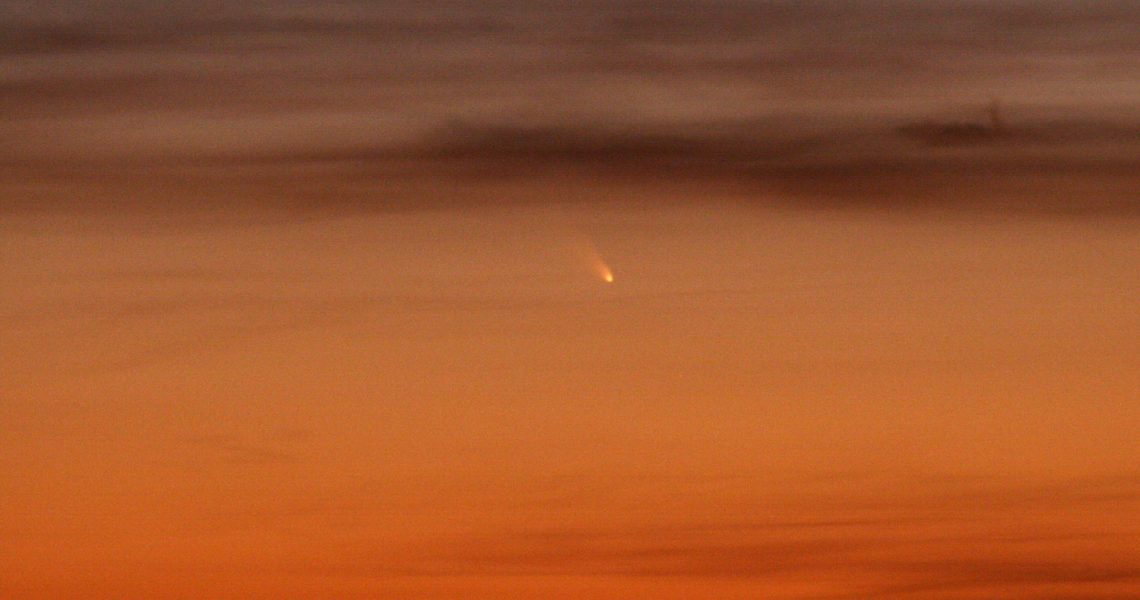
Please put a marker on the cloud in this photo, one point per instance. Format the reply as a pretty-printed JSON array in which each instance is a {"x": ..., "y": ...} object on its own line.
[
  {"x": 333, "y": 106},
  {"x": 999, "y": 576},
  {"x": 945, "y": 536},
  {"x": 563, "y": 56}
]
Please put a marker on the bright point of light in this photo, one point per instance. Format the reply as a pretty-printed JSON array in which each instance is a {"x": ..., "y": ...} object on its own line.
[{"x": 589, "y": 252}]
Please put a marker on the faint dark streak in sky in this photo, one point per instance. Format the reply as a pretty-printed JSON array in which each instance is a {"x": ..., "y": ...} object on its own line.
[
  {"x": 884, "y": 534},
  {"x": 240, "y": 451}
]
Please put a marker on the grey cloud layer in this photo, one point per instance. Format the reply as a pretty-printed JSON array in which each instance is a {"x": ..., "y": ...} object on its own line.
[
  {"x": 396, "y": 54},
  {"x": 722, "y": 88}
]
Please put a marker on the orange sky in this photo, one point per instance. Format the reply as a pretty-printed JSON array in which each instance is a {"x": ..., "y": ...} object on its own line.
[
  {"x": 308, "y": 300},
  {"x": 451, "y": 404}
]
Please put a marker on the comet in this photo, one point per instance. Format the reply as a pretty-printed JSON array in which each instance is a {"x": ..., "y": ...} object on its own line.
[
  {"x": 585, "y": 249},
  {"x": 604, "y": 272}
]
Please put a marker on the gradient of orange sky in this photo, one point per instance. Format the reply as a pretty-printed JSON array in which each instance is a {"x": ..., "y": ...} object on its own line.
[
  {"x": 307, "y": 300},
  {"x": 451, "y": 404}
]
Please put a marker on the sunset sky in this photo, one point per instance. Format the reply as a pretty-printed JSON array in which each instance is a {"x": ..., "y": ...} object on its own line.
[{"x": 605, "y": 299}]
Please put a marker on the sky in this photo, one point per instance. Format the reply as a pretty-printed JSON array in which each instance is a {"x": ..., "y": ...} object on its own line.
[{"x": 607, "y": 299}]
